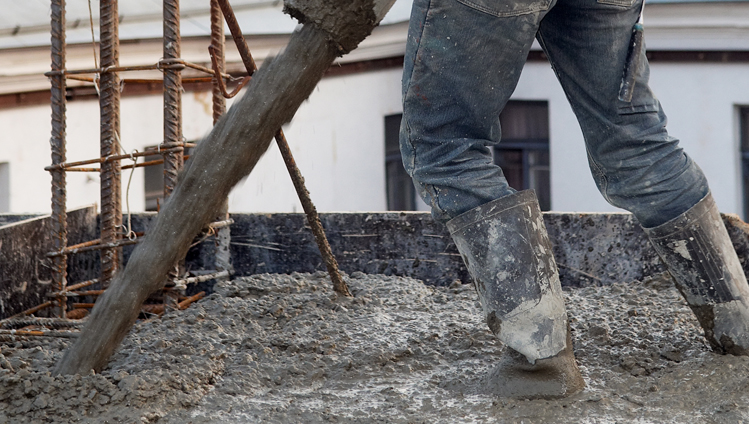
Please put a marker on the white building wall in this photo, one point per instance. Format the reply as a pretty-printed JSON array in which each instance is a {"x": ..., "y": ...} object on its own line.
[
  {"x": 338, "y": 141},
  {"x": 337, "y": 138},
  {"x": 700, "y": 100}
]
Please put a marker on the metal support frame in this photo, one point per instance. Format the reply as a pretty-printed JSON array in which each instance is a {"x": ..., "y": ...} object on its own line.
[
  {"x": 174, "y": 161},
  {"x": 109, "y": 105},
  {"x": 106, "y": 76},
  {"x": 222, "y": 258},
  {"x": 57, "y": 144}
]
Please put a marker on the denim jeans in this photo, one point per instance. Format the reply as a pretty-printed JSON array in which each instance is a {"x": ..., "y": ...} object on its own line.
[{"x": 463, "y": 61}]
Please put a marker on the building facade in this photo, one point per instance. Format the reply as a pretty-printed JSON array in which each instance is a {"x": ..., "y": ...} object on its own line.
[{"x": 344, "y": 137}]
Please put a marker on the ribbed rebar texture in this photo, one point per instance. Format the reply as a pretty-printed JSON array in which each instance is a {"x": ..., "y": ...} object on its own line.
[
  {"x": 222, "y": 259},
  {"x": 172, "y": 95},
  {"x": 217, "y": 41},
  {"x": 57, "y": 145},
  {"x": 174, "y": 161},
  {"x": 109, "y": 103}
]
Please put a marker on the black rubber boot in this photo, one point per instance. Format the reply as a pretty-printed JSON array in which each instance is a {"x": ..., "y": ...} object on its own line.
[
  {"x": 699, "y": 255},
  {"x": 507, "y": 251}
]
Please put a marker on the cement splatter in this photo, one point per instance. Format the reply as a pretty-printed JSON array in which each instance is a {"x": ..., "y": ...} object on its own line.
[{"x": 284, "y": 348}]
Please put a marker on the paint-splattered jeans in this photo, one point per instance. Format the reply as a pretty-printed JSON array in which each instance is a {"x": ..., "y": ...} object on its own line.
[{"x": 463, "y": 60}]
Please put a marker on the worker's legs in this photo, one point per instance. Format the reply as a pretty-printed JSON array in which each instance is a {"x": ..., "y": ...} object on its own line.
[
  {"x": 639, "y": 167},
  {"x": 635, "y": 163},
  {"x": 463, "y": 60},
  {"x": 462, "y": 63}
]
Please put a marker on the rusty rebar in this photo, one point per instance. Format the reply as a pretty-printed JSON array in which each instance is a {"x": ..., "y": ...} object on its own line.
[
  {"x": 187, "y": 302},
  {"x": 166, "y": 148},
  {"x": 222, "y": 256},
  {"x": 109, "y": 246},
  {"x": 173, "y": 162},
  {"x": 109, "y": 101},
  {"x": 236, "y": 33},
  {"x": 159, "y": 66},
  {"x": 5, "y": 334},
  {"x": 77, "y": 286},
  {"x": 206, "y": 277},
  {"x": 57, "y": 143},
  {"x": 218, "y": 82},
  {"x": 313, "y": 219},
  {"x": 83, "y": 293},
  {"x": 30, "y": 311},
  {"x": 123, "y": 167},
  {"x": 42, "y": 322},
  {"x": 142, "y": 80}
]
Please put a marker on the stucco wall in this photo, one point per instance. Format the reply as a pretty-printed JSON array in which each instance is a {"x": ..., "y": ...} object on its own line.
[{"x": 338, "y": 140}]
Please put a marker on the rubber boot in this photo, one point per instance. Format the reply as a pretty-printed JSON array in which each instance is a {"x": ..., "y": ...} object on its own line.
[
  {"x": 698, "y": 253},
  {"x": 507, "y": 251}
]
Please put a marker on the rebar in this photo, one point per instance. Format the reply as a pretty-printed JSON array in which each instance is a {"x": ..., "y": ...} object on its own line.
[
  {"x": 76, "y": 287},
  {"x": 159, "y": 66},
  {"x": 165, "y": 148},
  {"x": 58, "y": 148},
  {"x": 30, "y": 311},
  {"x": 100, "y": 246},
  {"x": 43, "y": 322},
  {"x": 109, "y": 101},
  {"x": 6, "y": 334},
  {"x": 313, "y": 219},
  {"x": 173, "y": 162},
  {"x": 194, "y": 298},
  {"x": 222, "y": 257},
  {"x": 57, "y": 144},
  {"x": 202, "y": 278}
]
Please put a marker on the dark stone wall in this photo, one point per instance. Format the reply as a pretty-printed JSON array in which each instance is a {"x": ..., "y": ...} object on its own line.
[
  {"x": 25, "y": 276},
  {"x": 590, "y": 249}
]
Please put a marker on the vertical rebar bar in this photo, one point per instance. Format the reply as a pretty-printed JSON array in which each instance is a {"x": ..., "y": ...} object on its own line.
[
  {"x": 109, "y": 102},
  {"x": 57, "y": 144},
  {"x": 172, "y": 95},
  {"x": 174, "y": 161},
  {"x": 222, "y": 259}
]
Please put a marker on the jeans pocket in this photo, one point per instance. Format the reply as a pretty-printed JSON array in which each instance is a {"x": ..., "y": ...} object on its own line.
[
  {"x": 508, "y": 8},
  {"x": 620, "y": 3}
]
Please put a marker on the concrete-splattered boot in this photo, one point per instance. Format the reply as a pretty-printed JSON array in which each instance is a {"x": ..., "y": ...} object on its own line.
[
  {"x": 698, "y": 253},
  {"x": 507, "y": 251}
]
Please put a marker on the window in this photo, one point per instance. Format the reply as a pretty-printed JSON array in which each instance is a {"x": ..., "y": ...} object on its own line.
[
  {"x": 154, "y": 181},
  {"x": 744, "y": 140},
  {"x": 523, "y": 152},
  {"x": 401, "y": 194},
  {"x": 4, "y": 187}
]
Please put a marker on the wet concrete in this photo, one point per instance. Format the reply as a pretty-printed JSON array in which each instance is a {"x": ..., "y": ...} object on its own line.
[{"x": 283, "y": 348}]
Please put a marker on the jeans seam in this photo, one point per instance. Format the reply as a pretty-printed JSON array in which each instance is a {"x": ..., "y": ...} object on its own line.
[
  {"x": 406, "y": 122},
  {"x": 491, "y": 12},
  {"x": 418, "y": 46},
  {"x": 593, "y": 163}
]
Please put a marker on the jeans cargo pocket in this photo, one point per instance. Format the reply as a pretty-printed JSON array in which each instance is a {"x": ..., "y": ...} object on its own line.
[
  {"x": 620, "y": 3},
  {"x": 508, "y": 8}
]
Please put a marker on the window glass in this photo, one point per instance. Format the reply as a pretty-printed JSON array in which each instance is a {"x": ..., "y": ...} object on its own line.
[
  {"x": 744, "y": 136},
  {"x": 523, "y": 152},
  {"x": 401, "y": 194},
  {"x": 4, "y": 187}
]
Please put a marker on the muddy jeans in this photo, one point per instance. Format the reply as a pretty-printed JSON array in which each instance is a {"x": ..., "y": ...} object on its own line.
[{"x": 463, "y": 61}]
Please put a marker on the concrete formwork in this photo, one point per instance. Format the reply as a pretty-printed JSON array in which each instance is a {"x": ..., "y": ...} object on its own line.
[{"x": 596, "y": 249}]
